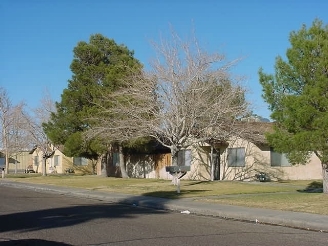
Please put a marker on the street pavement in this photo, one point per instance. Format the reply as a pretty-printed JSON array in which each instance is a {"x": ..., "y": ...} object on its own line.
[{"x": 299, "y": 220}]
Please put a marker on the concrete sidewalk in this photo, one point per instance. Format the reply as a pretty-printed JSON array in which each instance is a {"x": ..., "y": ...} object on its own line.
[{"x": 185, "y": 205}]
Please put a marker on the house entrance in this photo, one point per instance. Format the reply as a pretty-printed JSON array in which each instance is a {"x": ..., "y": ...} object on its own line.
[{"x": 216, "y": 165}]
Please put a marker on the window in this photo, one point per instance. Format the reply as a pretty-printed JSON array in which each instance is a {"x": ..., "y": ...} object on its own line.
[
  {"x": 278, "y": 159},
  {"x": 56, "y": 160},
  {"x": 116, "y": 159},
  {"x": 236, "y": 157},
  {"x": 36, "y": 161},
  {"x": 184, "y": 157},
  {"x": 80, "y": 161}
]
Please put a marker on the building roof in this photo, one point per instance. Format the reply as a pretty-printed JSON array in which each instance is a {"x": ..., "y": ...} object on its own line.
[{"x": 256, "y": 131}]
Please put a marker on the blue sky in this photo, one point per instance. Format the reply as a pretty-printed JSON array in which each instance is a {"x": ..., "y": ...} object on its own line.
[{"x": 38, "y": 36}]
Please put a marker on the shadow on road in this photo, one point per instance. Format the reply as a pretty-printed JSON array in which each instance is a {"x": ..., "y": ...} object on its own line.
[
  {"x": 32, "y": 242},
  {"x": 76, "y": 211},
  {"x": 70, "y": 215}
]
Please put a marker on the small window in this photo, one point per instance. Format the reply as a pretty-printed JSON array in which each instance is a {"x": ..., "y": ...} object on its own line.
[
  {"x": 80, "y": 161},
  {"x": 56, "y": 160},
  {"x": 184, "y": 157},
  {"x": 278, "y": 159},
  {"x": 116, "y": 159},
  {"x": 236, "y": 157},
  {"x": 36, "y": 161}
]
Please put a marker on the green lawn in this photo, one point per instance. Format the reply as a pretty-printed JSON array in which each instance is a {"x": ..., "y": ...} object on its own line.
[{"x": 287, "y": 195}]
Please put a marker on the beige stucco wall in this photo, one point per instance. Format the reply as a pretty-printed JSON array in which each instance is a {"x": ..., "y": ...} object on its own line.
[
  {"x": 18, "y": 162},
  {"x": 64, "y": 162},
  {"x": 200, "y": 168},
  {"x": 311, "y": 170},
  {"x": 50, "y": 164},
  {"x": 257, "y": 160}
]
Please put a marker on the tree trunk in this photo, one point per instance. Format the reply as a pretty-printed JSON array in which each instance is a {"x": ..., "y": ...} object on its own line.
[
  {"x": 174, "y": 154},
  {"x": 325, "y": 178},
  {"x": 174, "y": 162},
  {"x": 7, "y": 161},
  {"x": 103, "y": 160},
  {"x": 122, "y": 164},
  {"x": 44, "y": 173},
  {"x": 5, "y": 145},
  {"x": 16, "y": 164}
]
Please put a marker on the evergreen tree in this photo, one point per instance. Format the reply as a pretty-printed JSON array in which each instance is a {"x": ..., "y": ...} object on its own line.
[
  {"x": 188, "y": 97},
  {"x": 297, "y": 95},
  {"x": 97, "y": 67}
]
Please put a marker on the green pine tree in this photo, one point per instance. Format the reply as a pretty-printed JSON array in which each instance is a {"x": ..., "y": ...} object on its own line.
[
  {"x": 97, "y": 67},
  {"x": 297, "y": 95}
]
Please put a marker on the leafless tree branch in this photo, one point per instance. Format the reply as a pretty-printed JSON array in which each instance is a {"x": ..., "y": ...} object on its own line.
[{"x": 188, "y": 96}]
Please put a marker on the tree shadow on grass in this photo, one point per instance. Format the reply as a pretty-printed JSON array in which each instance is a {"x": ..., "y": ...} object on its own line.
[
  {"x": 198, "y": 182},
  {"x": 313, "y": 187},
  {"x": 174, "y": 194}
]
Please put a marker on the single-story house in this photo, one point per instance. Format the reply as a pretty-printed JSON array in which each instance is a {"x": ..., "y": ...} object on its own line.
[
  {"x": 237, "y": 159},
  {"x": 240, "y": 158},
  {"x": 18, "y": 162},
  {"x": 57, "y": 162}
]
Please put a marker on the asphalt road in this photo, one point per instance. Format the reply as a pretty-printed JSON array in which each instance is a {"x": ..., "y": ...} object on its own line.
[{"x": 33, "y": 218}]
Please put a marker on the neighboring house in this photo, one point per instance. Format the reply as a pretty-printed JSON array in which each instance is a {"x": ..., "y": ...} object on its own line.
[
  {"x": 236, "y": 159},
  {"x": 60, "y": 163},
  {"x": 148, "y": 166},
  {"x": 18, "y": 162},
  {"x": 2, "y": 161},
  {"x": 138, "y": 165}
]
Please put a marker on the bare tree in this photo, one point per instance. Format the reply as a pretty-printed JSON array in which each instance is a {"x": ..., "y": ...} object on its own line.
[
  {"x": 5, "y": 108},
  {"x": 20, "y": 130},
  {"x": 188, "y": 97},
  {"x": 18, "y": 138},
  {"x": 33, "y": 126},
  {"x": 11, "y": 128},
  {"x": 47, "y": 106}
]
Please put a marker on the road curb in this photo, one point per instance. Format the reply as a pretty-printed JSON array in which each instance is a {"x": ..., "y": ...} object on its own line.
[{"x": 298, "y": 220}]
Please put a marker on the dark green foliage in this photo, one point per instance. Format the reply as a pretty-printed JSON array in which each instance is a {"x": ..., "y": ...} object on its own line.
[
  {"x": 298, "y": 95},
  {"x": 97, "y": 68},
  {"x": 145, "y": 145}
]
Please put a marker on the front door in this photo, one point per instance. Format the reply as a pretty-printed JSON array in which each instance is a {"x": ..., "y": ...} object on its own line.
[{"x": 216, "y": 163}]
